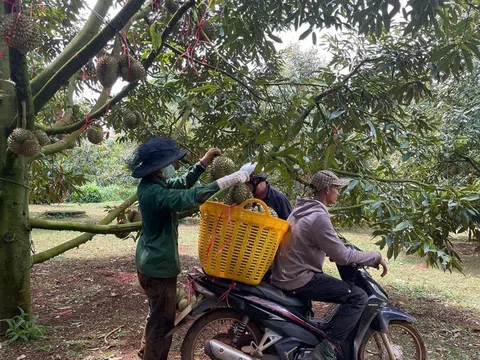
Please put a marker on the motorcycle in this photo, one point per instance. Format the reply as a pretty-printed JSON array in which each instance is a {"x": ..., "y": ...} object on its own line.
[{"x": 235, "y": 321}]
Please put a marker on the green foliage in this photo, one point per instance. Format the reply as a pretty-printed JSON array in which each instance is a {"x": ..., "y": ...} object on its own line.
[
  {"x": 103, "y": 164},
  {"x": 20, "y": 327},
  {"x": 93, "y": 193},
  {"x": 50, "y": 182}
]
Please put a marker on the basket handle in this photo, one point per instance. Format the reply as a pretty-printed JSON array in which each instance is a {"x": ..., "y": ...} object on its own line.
[{"x": 257, "y": 201}]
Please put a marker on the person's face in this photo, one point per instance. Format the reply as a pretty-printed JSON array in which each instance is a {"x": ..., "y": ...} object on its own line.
[
  {"x": 261, "y": 186},
  {"x": 332, "y": 194}
]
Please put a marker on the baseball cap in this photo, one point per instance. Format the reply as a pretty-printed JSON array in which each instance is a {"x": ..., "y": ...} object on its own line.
[{"x": 325, "y": 178}]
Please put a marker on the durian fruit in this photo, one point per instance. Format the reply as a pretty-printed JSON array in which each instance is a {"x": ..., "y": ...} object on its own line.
[
  {"x": 139, "y": 116},
  {"x": 23, "y": 142},
  {"x": 134, "y": 215},
  {"x": 202, "y": 11},
  {"x": 181, "y": 294},
  {"x": 131, "y": 69},
  {"x": 95, "y": 134},
  {"x": 123, "y": 220},
  {"x": 107, "y": 70},
  {"x": 129, "y": 120},
  {"x": 240, "y": 193},
  {"x": 42, "y": 137},
  {"x": 171, "y": 6},
  {"x": 208, "y": 31},
  {"x": 272, "y": 212},
  {"x": 220, "y": 167},
  {"x": 227, "y": 199},
  {"x": 22, "y": 31},
  {"x": 182, "y": 305}
]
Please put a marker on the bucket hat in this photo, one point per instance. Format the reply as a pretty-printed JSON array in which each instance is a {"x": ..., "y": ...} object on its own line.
[{"x": 155, "y": 154}]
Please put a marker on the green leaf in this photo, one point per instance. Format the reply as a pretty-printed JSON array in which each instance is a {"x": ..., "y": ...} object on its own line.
[
  {"x": 335, "y": 114},
  {"x": 440, "y": 53},
  {"x": 274, "y": 38},
  {"x": 305, "y": 34},
  {"x": 471, "y": 198},
  {"x": 314, "y": 38},
  {"x": 352, "y": 185},
  {"x": 407, "y": 156},
  {"x": 328, "y": 155},
  {"x": 402, "y": 226}
]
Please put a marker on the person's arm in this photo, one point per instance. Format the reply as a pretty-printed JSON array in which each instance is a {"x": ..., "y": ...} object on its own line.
[
  {"x": 187, "y": 180},
  {"x": 336, "y": 250},
  {"x": 183, "y": 199}
]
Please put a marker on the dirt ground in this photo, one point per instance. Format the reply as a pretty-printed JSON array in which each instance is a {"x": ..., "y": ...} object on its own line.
[{"x": 93, "y": 308}]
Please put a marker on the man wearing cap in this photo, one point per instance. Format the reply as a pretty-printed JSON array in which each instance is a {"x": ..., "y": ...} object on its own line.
[
  {"x": 160, "y": 197},
  {"x": 298, "y": 264},
  {"x": 262, "y": 190}
]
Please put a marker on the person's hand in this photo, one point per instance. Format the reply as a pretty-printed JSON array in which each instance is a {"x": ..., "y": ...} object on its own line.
[
  {"x": 211, "y": 154},
  {"x": 238, "y": 177},
  {"x": 384, "y": 266}
]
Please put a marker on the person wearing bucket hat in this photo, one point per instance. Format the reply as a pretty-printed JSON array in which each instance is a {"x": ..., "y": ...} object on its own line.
[
  {"x": 297, "y": 268},
  {"x": 261, "y": 189},
  {"x": 160, "y": 197}
]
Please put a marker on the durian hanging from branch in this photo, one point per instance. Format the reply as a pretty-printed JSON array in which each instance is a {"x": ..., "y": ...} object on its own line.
[
  {"x": 131, "y": 69},
  {"x": 206, "y": 31},
  {"x": 95, "y": 134},
  {"x": 132, "y": 119},
  {"x": 20, "y": 32},
  {"x": 24, "y": 143},
  {"x": 107, "y": 70}
]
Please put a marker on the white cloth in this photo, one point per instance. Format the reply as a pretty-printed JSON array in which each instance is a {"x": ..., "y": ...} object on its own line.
[{"x": 238, "y": 177}]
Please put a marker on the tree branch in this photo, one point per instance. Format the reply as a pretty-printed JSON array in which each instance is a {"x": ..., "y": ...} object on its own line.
[
  {"x": 79, "y": 41},
  {"x": 468, "y": 159},
  {"x": 316, "y": 99},
  {"x": 82, "y": 239},
  {"x": 76, "y": 62},
  {"x": 226, "y": 73},
  {"x": 90, "y": 228}
]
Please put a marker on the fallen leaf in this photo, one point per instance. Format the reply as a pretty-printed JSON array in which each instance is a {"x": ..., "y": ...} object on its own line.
[{"x": 21, "y": 357}]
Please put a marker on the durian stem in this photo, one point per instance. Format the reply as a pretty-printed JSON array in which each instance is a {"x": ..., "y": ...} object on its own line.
[
  {"x": 77, "y": 61},
  {"x": 79, "y": 41}
]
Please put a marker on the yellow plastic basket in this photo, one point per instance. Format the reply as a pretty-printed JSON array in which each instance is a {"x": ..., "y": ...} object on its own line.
[{"x": 236, "y": 243}]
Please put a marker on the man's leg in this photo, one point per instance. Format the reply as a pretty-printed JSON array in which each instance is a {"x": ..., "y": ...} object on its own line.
[
  {"x": 161, "y": 295},
  {"x": 329, "y": 289}
]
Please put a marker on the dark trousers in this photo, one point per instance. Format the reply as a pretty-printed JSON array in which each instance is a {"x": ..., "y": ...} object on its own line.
[
  {"x": 161, "y": 295},
  {"x": 326, "y": 288}
]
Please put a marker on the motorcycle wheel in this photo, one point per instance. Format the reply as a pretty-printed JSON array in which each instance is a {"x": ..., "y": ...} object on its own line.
[
  {"x": 218, "y": 325},
  {"x": 405, "y": 339}
]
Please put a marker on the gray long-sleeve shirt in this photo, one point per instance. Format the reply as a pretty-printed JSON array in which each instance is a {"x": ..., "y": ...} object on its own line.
[{"x": 311, "y": 238}]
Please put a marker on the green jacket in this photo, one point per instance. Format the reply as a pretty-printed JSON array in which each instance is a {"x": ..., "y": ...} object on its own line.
[{"x": 159, "y": 201}]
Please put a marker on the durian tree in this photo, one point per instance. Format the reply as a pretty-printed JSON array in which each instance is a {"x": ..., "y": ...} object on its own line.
[{"x": 208, "y": 74}]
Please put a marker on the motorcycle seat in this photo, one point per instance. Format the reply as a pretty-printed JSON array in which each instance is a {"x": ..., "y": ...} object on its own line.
[{"x": 263, "y": 290}]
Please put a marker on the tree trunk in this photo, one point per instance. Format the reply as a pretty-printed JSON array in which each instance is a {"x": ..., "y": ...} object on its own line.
[{"x": 14, "y": 234}]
